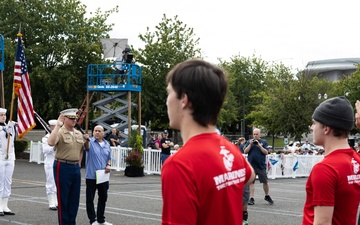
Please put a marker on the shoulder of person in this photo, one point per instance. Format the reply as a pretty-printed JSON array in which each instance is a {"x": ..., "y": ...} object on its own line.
[{"x": 106, "y": 142}]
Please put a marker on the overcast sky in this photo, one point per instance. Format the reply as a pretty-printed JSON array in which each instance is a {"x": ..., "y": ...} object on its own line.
[{"x": 292, "y": 31}]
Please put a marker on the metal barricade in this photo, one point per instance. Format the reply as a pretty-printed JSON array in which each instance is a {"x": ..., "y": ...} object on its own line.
[
  {"x": 278, "y": 165},
  {"x": 36, "y": 154}
]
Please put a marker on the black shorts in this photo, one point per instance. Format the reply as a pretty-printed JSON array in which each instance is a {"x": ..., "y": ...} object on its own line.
[{"x": 262, "y": 175}]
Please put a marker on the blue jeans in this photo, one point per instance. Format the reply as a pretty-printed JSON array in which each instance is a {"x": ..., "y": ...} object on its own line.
[{"x": 163, "y": 157}]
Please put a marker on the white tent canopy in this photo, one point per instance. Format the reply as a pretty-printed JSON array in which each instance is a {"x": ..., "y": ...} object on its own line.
[{"x": 113, "y": 47}]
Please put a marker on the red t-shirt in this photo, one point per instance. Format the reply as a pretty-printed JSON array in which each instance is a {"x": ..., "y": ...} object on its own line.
[
  {"x": 203, "y": 182},
  {"x": 335, "y": 181}
]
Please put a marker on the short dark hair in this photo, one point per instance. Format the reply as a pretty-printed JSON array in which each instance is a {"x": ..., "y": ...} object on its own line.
[
  {"x": 338, "y": 132},
  {"x": 204, "y": 84}
]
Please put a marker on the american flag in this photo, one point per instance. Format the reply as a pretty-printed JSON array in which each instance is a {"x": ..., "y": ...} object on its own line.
[{"x": 25, "y": 111}]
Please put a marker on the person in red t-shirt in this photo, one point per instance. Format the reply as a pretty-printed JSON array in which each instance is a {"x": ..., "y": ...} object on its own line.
[
  {"x": 357, "y": 123},
  {"x": 333, "y": 187},
  {"x": 203, "y": 182}
]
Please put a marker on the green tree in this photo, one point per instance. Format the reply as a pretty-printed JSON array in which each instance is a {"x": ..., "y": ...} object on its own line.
[
  {"x": 59, "y": 44},
  {"x": 269, "y": 114},
  {"x": 289, "y": 102},
  {"x": 171, "y": 42},
  {"x": 349, "y": 87},
  {"x": 246, "y": 79},
  {"x": 228, "y": 113}
]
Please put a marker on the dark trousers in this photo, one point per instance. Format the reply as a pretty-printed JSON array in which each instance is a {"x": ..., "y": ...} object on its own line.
[
  {"x": 163, "y": 157},
  {"x": 68, "y": 182},
  {"x": 102, "y": 189}
]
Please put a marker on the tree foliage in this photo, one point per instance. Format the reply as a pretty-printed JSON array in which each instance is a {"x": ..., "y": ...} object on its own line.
[
  {"x": 170, "y": 43},
  {"x": 289, "y": 102},
  {"x": 349, "y": 87},
  {"x": 272, "y": 112},
  {"x": 246, "y": 78},
  {"x": 59, "y": 44}
]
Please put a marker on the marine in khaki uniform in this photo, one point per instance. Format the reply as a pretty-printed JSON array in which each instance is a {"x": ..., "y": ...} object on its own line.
[{"x": 68, "y": 146}]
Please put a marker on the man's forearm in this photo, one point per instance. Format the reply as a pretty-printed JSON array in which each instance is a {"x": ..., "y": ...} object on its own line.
[
  {"x": 247, "y": 149},
  {"x": 263, "y": 150},
  {"x": 53, "y": 136}
]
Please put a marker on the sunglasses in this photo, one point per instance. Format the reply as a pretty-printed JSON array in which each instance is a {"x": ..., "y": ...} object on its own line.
[{"x": 70, "y": 118}]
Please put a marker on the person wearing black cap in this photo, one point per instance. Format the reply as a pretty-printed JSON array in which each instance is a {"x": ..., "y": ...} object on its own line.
[
  {"x": 333, "y": 187},
  {"x": 357, "y": 123},
  {"x": 166, "y": 145},
  {"x": 69, "y": 144}
]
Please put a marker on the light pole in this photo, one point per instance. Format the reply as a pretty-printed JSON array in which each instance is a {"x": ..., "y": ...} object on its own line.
[{"x": 244, "y": 92}]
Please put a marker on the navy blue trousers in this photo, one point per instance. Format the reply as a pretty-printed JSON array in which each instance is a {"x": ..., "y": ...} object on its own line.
[
  {"x": 102, "y": 189},
  {"x": 68, "y": 182}
]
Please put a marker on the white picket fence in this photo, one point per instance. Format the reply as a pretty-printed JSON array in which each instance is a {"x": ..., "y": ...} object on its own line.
[{"x": 278, "y": 166}]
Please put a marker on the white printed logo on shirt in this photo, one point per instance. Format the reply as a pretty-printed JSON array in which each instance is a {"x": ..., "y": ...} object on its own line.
[
  {"x": 356, "y": 165},
  {"x": 356, "y": 177},
  {"x": 228, "y": 158},
  {"x": 231, "y": 177}
]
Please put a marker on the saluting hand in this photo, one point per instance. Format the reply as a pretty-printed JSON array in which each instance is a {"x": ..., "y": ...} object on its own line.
[{"x": 60, "y": 120}]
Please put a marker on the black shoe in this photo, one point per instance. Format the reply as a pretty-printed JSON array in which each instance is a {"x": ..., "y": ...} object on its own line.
[
  {"x": 2, "y": 214},
  {"x": 9, "y": 213},
  {"x": 268, "y": 199},
  {"x": 251, "y": 201},
  {"x": 53, "y": 208}
]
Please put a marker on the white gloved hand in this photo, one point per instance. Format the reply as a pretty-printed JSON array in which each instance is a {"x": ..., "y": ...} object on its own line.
[
  {"x": 9, "y": 130},
  {"x": 11, "y": 124},
  {"x": 10, "y": 127}
]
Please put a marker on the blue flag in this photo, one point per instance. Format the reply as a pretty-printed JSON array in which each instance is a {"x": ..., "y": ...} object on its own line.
[
  {"x": 273, "y": 161},
  {"x": 296, "y": 166}
]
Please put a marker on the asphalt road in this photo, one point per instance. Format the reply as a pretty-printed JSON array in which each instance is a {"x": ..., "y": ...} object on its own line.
[{"x": 135, "y": 201}]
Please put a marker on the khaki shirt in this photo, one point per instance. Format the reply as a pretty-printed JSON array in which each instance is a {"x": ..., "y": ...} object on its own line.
[{"x": 68, "y": 146}]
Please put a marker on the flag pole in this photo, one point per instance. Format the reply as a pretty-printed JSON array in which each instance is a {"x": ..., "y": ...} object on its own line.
[
  {"x": 11, "y": 112},
  {"x": 2, "y": 89}
]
